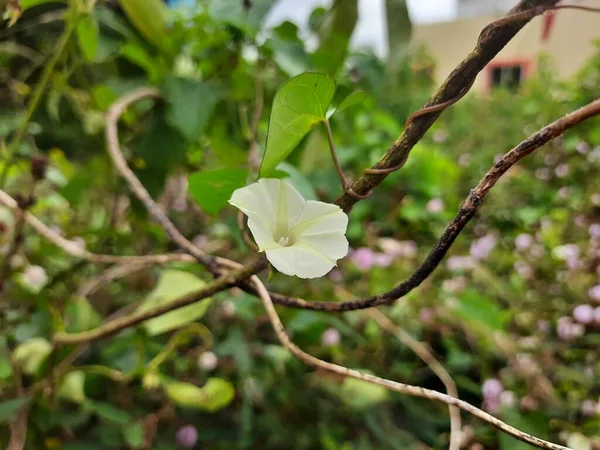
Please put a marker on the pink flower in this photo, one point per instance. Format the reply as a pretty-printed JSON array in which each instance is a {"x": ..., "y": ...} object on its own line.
[
  {"x": 594, "y": 293},
  {"x": 542, "y": 174},
  {"x": 454, "y": 284},
  {"x": 330, "y": 337},
  {"x": 589, "y": 407},
  {"x": 492, "y": 388},
  {"x": 597, "y": 315},
  {"x": 481, "y": 248},
  {"x": 398, "y": 249},
  {"x": 582, "y": 147},
  {"x": 523, "y": 241},
  {"x": 523, "y": 269},
  {"x": 435, "y": 205},
  {"x": 562, "y": 170},
  {"x": 584, "y": 314},
  {"x": 382, "y": 260},
  {"x": 464, "y": 159},
  {"x": 594, "y": 230},
  {"x": 456, "y": 263},
  {"x": 426, "y": 315},
  {"x": 336, "y": 276},
  {"x": 363, "y": 258},
  {"x": 187, "y": 436},
  {"x": 440, "y": 136}
]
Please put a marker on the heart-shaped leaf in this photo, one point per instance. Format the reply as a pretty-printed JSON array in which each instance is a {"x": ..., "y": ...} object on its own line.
[
  {"x": 211, "y": 189},
  {"x": 299, "y": 105}
]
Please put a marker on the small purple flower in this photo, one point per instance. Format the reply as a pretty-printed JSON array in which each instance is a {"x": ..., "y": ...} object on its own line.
[
  {"x": 582, "y": 147},
  {"x": 508, "y": 398},
  {"x": 564, "y": 192},
  {"x": 542, "y": 174},
  {"x": 523, "y": 269},
  {"x": 464, "y": 159},
  {"x": 382, "y": 260},
  {"x": 481, "y": 248},
  {"x": 336, "y": 276},
  {"x": 435, "y": 205},
  {"x": 330, "y": 337},
  {"x": 363, "y": 258},
  {"x": 580, "y": 220},
  {"x": 456, "y": 263},
  {"x": 543, "y": 326},
  {"x": 440, "y": 136},
  {"x": 594, "y": 293},
  {"x": 589, "y": 408},
  {"x": 562, "y": 170},
  {"x": 594, "y": 155},
  {"x": 187, "y": 436},
  {"x": 523, "y": 241},
  {"x": 597, "y": 315},
  {"x": 584, "y": 314},
  {"x": 492, "y": 388},
  {"x": 594, "y": 231},
  {"x": 398, "y": 249},
  {"x": 426, "y": 315},
  {"x": 454, "y": 284}
]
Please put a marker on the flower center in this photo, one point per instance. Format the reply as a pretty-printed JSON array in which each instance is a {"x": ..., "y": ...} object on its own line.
[{"x": 284, "y": 241}]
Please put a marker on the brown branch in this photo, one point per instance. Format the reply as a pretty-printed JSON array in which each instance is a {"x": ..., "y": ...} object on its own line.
[
  {"x": 114, "y": 150},
  {"x": 467, "y": 211},
  {"x": 491, "y": 40},
  {"x": 436, "y": 367},
  {"x": 230, "y": 279},
  {"x": 406, "y": 389}
]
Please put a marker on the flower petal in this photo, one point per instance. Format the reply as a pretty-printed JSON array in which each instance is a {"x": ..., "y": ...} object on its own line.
[
  {"x": 333, "y": 245},
  {"x": 260, "y": 199},
  {"x": 302, "y": 262},
  {"x": 261, "y": 234},
  {"x": 320, "y": 217}
]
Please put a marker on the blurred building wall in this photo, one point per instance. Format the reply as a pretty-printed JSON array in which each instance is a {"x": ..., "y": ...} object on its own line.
[{"x": 569, "y": 42}]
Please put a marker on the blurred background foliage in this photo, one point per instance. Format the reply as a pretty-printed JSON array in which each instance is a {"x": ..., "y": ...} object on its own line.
[{"x": 513, "y": 312}]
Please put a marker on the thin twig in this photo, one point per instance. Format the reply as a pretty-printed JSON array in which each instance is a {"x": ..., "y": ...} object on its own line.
[
  {"x": 114, "y": 150},
  {"x": 230, "y": 279},
  {"x": 336, "y": 161},
  {"x": 253, "y": 158},
  {"x": 75, "y": 250},
  {"x": 406, "y": 389},
  {"x": 436, "y": 367}
]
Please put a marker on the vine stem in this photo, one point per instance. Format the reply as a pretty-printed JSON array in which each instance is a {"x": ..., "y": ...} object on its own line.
[{"x": 36, "y": 96}]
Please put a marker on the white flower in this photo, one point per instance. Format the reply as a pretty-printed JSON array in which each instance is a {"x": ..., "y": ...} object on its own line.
[{"x": 301, "y": 238}]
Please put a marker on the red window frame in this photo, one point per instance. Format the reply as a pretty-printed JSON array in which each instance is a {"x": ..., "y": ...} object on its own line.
[{"x": 526, "y": 68}]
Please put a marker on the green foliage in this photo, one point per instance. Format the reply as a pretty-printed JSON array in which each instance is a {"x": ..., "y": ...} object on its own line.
[
  {"x": 173, "y": 284},
  {"x": 212, "y": 189},
  {"x": 216, "y": 365},
  {"x": 299, "y": 105}
]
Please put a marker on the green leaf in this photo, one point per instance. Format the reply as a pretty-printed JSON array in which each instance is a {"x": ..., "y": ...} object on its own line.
[
  {"x": 216, "y": 394},
  {"x": 172, "y": 285},
  {"x": 212, "y": 189},
  {"x": 353, "y": 99},
  {"x": 5, "y": 367},
  {"x": 233, "y": 12},
  {"x": 72, "y": 387},
  {"x": 108, "y": 412},
  {"x": 190, "y": 105},
  {"x": 9, "y": 408},
  {"x": 162, "y": 145},
  {"x": 87, "y": 36},
  {"x": 138, "y": 55},
  {"x": 148, "y": 17},
  {"x": 399, "y": 34},
  {"x": 134, "y": 435},
  {"x": 26, "y": 4},
  {"x": 480, "y": 311},
  {"x": 360, "y": 394},
  {"x": 31, "y": 354},
  {"x": 80, "y": 315},
  {"x": 299, "y": 105},
  {"x": 334, "y": 35}
]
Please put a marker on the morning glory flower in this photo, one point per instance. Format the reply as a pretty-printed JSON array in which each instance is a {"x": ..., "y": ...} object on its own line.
[{"x": 300, "y": 237}]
